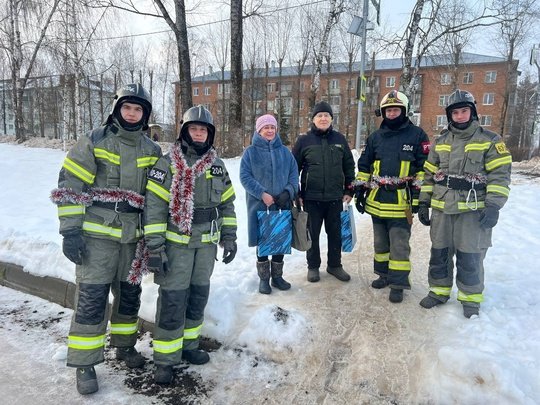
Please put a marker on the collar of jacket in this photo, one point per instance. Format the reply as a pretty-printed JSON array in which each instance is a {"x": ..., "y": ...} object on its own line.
[
  {"x": 464, "y": 133},
  {"x": 404, "y": 125},
  {"x": 320, "y": 132},
  {"x": 128, "y": 137},
  {"x": 259, "y": 141}
]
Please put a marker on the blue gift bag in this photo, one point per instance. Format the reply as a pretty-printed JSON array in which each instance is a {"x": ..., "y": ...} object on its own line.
[
  {"x": 274, "y": 232},
  {"x": 348, "y": 229}
]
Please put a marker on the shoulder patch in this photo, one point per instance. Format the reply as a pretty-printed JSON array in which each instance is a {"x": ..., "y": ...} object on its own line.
[
  {"x": 501, "y": 148},
  {"x": 157, "y": 175},
  {"x": 217, "y": 171},
  {"x": 426, "y": 146}
]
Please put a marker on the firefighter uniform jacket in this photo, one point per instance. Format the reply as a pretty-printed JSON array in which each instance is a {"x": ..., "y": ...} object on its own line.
[
  {"x": 392, "y": 166},
  {"x": 213, "y": 192},
  {"x": 474, "y": 156},
  {"x": 111, "y": 159}
]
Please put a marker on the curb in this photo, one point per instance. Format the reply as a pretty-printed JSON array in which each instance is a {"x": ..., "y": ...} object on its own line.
[{"x": 52, "y": 289}]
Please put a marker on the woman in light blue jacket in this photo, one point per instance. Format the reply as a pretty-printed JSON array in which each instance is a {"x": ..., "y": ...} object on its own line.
[{"x": 269, "y": 173}]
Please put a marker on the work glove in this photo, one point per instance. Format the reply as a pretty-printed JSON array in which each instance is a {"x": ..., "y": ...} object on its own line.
[
  {"x": 415, "y": 209},
  {"x": 158, "y": 261},
  {"x": 73, "y": 246},
  {"x": 489, "y": 217},
  {"x": 423, "y": 214},
  {"x": 360, "y": 199},
  {"x": 282, "y": 200},
  {"x": 229, "y": 250}
]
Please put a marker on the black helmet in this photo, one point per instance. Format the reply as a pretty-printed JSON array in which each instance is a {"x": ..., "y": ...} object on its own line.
[
  {"x": 133, "y": 93},
  {"x": 198, "y": 115},
  {"x": 461, "y": 98}
]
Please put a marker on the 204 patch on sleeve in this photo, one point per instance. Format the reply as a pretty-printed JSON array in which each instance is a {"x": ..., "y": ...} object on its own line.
[
  {"x": 217, "y": 171},
  {"x": 157, "y": 175},
  {"x": 501, "y": 148}
]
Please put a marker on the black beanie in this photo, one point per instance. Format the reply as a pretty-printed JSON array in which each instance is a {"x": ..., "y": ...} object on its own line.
[{"x": 322, "y": 106}]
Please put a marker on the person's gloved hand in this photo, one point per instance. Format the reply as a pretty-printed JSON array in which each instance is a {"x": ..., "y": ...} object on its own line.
[
  {"x": 423, "y": 214},
  {"x": 282, "y": 200},
  {"x": 489, "y": 217},
  {"x": 73, "y": 246},
  {"x": 360, "y": 199},
  {"x": 229, "y": 250},
  {"x": 415, "y": 209},
  {"x": 158, "y": 261}
]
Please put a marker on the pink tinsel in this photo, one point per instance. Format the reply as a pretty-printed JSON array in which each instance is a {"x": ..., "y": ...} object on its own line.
[
  {"x": 139, "y": 265},
  {"x": 67, "y": 195}
]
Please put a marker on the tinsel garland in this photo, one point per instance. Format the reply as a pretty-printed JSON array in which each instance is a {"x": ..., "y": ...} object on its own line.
[
  {"x": 139, "y": 265},
  {"x": 67, "y": 195},
  {"x": 377, "y": 181},
  {"x": 475, "y": 178},
  {"x": 183, "y": 185}
]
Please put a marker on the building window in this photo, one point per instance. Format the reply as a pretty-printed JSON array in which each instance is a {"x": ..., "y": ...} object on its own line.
[
  {"x": 443, "y": 100},
  {"x": 441, "y": 121},
  {"x": 301, "y": 105},
  {"x": 485, "y": 120},
  {"x": 467, "y": 78},
  {"x": 207, "y": 91},
  {"x": 207, "y": 106},
  {"x": 351, "y": 84},
  {"x": 491, "y": 77},
  {"x": 390, "y": 81},
  {"x": 489, "y": 99},
  {"x": 195, "y": 91},
  {"x": 335, "y": 100},
  {"x": 227, "y": 88},
  {"x": 302, "y": 86},
  {"x": 270, "y": 87},
  {"x": 270, "y": 106},
  {"x": 301, "y": 122},
  {"x": 445, "y": 79},
  {"x": 334, "y": 84},
  {"x": 286, "y": 87}
]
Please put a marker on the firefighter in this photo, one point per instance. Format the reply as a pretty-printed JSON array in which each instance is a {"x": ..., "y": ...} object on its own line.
[
  {"x": 100, "y": 200},
  {"x": 390, "y": 172},
  {"x": 189, "y": 211},
  {"x": 466, "y": 184}
]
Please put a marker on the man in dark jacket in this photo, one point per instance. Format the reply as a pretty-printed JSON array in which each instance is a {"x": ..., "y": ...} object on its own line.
[
  {"x": 326, "y": 165},
  {"x": 390, "y": 172}
]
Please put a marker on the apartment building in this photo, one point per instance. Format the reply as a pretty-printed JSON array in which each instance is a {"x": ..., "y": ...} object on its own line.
[{"x": 286, "y": 93}]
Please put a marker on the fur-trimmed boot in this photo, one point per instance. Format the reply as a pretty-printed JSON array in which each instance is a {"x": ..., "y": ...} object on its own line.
[
  {"x": 263, "y": 269},
  {"x": 276, "y": 270}
]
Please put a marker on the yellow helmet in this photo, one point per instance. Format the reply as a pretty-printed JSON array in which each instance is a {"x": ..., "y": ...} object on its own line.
[{"x": 395, "y": 99}]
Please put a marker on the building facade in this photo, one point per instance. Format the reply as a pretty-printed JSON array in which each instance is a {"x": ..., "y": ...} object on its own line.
[{"x": 286, "y": 93}]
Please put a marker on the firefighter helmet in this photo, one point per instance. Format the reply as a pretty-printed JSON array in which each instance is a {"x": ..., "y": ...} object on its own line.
[
  {"x": 461, "y": 98},
  {"x": 198, "y": 115},
  {"x": 133, "y": 93},
  {"x": 395, "y": 99}
]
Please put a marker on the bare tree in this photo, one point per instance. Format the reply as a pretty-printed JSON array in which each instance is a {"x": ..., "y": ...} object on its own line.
[{"x": 236, "y": 130}]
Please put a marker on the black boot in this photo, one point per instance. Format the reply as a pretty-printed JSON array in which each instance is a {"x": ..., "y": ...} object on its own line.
[
  {"x": 313, "y": 275},
  {"x": 381, "y": 282},
  {"x": 197, "y": 356},
  {"x": 163, "y": 374},
  {"x": 131, "y": 357},
  {"x": 396, "y": 295},
  {"x": 469, "y": 310},
  {"x": 339, "y": 273},
  {"x": 276, "y": 270},
  {"x": 429, "y": 302},
  {"x": 263, "y": 269},
  {"x": 86, "y": 380}
]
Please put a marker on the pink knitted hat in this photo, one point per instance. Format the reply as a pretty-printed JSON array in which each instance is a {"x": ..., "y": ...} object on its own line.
[{"x": 265, "y": 120}]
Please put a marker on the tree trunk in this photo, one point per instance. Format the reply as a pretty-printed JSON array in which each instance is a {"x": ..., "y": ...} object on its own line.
[
  {"x": 236, "y": 130},
  {"x": 183, "y": 55}
]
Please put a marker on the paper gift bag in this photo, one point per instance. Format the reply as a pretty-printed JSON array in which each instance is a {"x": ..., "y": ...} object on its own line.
[
  {"x": 348, "y": 229},
  {"x": 301, "y": 239},
  {"x": 274, "y": 232}
]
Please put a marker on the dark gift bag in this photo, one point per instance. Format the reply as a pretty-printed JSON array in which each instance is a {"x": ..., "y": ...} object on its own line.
[
  {"x": 274, "y": 232},
  {"x": 348, "y": 229},
  {"x": 301, "y": 239}
]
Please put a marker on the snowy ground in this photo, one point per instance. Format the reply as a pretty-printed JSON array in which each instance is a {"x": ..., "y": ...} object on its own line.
[{"x": 330, "y": 343}]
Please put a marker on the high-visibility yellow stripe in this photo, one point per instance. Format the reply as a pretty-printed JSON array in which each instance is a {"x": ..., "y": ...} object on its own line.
[
  {"x": 106, "y": 155},
  {"x": 462, "y": 205},
  {"x": 208, "y": 174},
  {"x": 227, "y": 193},
  {"x": 192, "y": 333},
  {"x": 479, "y": 147},
  {"x": 493, "y": 188},
  {"x": 229, "y": 221},
  {"x": 400, "y": 265},
  {"x": 420, "y": 175},
  {"x": 493, "y": 164},
  {"x": 430, "y": 167},
  {"x": 207, "y": 238},
  {"x": 376, "y": 167},
  {"x": 426, "y": 188},
  {"x": 124, "y": 328},
  {"x": 363, "y": 176},
  {"x": 70, "y": 210},
  {"x": 384, "y": 213},
  {"x": 146, "y": 161},
  {"x": 404, "y": 168},
  {"x": 86, "y": 343},
  {"x": 102, "y": 229},
  {"x": 155, "y": 228},
  {"x": 437, "y": 204},
  {"x": 443, "y": 148},
  {"x": 477, "y": 298},
  {"x": 382, "y": 257},
  {"x": 167, "y": 347},
  {"x": 444, "y": 291},
  {"x": 78, "y": 171},
  {"x": 177, "y": 238},
  {"x": 161, "y": 192}
]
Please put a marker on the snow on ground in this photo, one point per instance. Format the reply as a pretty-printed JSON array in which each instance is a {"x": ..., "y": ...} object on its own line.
[{"x": 328, "y": 342}]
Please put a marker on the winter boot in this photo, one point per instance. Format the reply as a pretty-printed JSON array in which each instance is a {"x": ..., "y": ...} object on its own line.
[
  {"x": 263, "y": 269},
  {"x": 381, "y": 282},
  {"x": 196, "y": 356},
  {"x": 430, "y": 302},
  {"x": 86, "y": 380},
  {"x": 131, "y": 357},
  {"x": 276, "y": 270},
  {"x": 339, "y": 273},
  {"x": 469, "y": 310},
  {"x": 163, "y": 374},
  {"x": 396, "y": 295},
  {"x": 313, "y": 275}
]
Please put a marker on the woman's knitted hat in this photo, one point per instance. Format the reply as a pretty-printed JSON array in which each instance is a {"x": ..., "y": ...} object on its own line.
[{"x": 265, "y": 120}]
